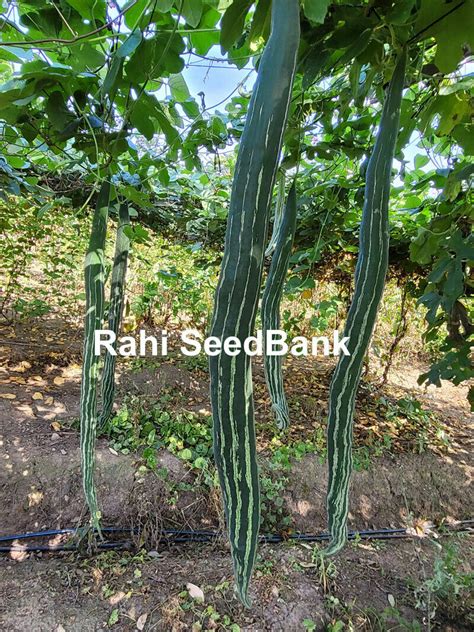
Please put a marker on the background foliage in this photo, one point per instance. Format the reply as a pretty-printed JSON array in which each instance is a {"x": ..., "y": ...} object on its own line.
[{"x": 93, "y": 89}]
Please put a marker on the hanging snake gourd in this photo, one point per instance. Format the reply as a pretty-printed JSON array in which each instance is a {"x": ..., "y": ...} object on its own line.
[
  {"x": 94, "y": 278},
  {"x": 271, "y": 306},
  {"x": 280, "y": 204},
  {"x": 370, "y": 275},
  {"x": 119, "y": 272},
  {"x": 239, "y": 285}
]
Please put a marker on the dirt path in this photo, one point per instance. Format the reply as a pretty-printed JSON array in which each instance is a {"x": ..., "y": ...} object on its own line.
[
  {"x": 40, "y": 488},
  {"x": 46, "y": 594}
]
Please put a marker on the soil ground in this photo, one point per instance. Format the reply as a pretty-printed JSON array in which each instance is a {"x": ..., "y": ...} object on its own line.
[{"x": 370, "y": 585}]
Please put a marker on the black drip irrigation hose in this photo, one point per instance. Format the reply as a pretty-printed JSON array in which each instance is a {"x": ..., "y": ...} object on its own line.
[{"x": 179, "y": 536}]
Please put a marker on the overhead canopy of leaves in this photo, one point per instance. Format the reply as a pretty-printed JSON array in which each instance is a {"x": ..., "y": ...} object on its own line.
[{"x": 88, "y": 87}]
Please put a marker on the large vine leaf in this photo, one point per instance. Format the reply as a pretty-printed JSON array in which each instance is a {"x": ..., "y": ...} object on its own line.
[
  {"x": 192, "y": 12},
  {"x": 315, "y": 10},
  {"x": 233, "y": 22},
  {"x": 452, "y": 25},
  {"x": 179, "y": 89},
  {"x": 57, "y": 111},
  {"x": 88, "y": 8},
  {"x": 164, "y": 5},
  {"x": 261, "y": 20},
  {"x": 134, "y": 11},
  {"x": 141, "y": 117},
  {"x": 155, "y": 56},
  {"x": 204, "y": 39}
]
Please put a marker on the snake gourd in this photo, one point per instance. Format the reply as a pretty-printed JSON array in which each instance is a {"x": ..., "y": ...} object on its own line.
[
  {"x": 370, "y": 275},
  {"x": 238, "y": 289},
  {"x": 94, "y": 279},
  {"x": 271, "y": 306},
  {"x": 119, "y": 272}
]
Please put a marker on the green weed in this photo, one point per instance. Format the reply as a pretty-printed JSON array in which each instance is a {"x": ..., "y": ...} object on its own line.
[{"x": 448, "y": 594}]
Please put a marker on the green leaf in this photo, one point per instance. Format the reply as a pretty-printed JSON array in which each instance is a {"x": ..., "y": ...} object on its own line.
[
  {"x": 465, "y": 84},
  {"x": 41, "y": 21},
  {"x": 134, "y": 12},
  {"x": 87, "y": 57},
  {"x": 141, "y": 199},
  {"x": 164, "y": 5},
  {"x": 454, "y": 285},
  {"x": 456, "y": 33},
  {"x": 56, "y": 110},
  {"x": 175, "y": 116},
  {"x": 179, "y": 88},
  {"x": 200, "y": 463},
  {"x": 192, "y": 12},
  {"x": 447, "y": 112},
  {"x": 155, "y": 56},
  {"x": 463, "y": 247},
  {"x": 452, "y": 188},
  {"x": 463, "y": 171},
  {"x": 401, "y": 13},
  {"x": 141, "y": 61},
  {"x": 452, "y": 25},
  {"x": 432, "y": 377},
  {"x": 140, "y": 118},
  {"x": 454, "y": 110},
  {"x": 12, "y": 53},
  {"x": 354, "y": 78},
  {"x": 168, "y": 54},
  {"x": 113, "y": 76},
  {"x": 261, "y": 20},
  {"x": 421, "y": 161},
  {"x": 373, "y": 54},
  {"x": 233, "y": 22},
  {"x": 464, "y": 135},
  {"x": 439, "y": 270},
  {"x": 113, "y": 618},
  {"x": 164, "y": 176},
  {"x": 170, "y": 132},
  {"x": 203, "y": 41},
  {"x": 218, "y": 127},
  {"x": 424, "y": 246},
  {"x": 432, "y": 301},
  {"x": 130, "y": 44},
  {"x": 241, "y": 53},
  {"x": 315, "y": 62},
  {"x": 315, "y": 10},
  {"x": 190, "y": 108},
  {"x": 357, "y": 48},
  {"x": 413, "y": 201},
  {"x": 141, "y": 234},
  {"x": 88, "y": 8}
]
